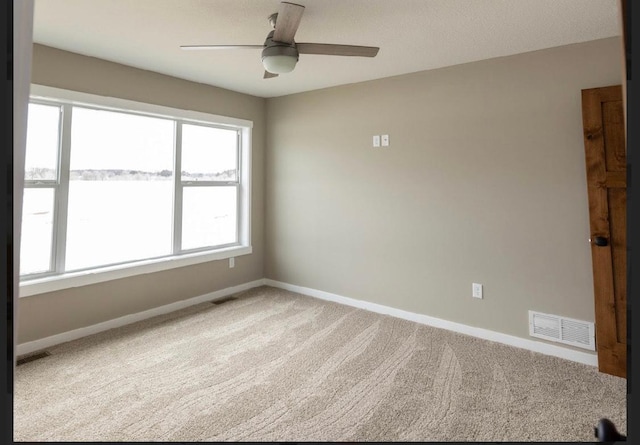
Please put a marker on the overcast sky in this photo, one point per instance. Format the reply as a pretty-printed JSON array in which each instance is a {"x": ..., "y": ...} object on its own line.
[{"x": 108, "y": 140}]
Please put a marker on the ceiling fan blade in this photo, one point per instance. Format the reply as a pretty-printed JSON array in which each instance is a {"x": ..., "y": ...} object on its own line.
[
  {"x": 337, "y": 50},
  {"x": 289, "y": 16},
  {"x": 268, "y": 75},
  {"x": 198, "y": 47}
]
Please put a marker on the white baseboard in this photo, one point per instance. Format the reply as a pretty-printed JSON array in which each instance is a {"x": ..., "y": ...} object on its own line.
[
  {"x": 36, "y": 345},
  {"x": 531, "y": 345}
]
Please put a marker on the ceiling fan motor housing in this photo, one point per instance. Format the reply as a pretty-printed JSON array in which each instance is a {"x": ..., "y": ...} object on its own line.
[{"x": 279, "y": 57}]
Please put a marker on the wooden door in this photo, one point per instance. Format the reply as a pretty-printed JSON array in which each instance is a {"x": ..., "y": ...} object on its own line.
[{"x": 605, "y": 153}]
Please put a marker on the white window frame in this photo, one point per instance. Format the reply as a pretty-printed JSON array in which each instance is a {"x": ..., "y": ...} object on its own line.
[{"x": 41, "y": 283}]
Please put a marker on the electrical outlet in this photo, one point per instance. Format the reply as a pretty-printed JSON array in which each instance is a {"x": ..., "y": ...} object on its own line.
[
  {"x": 232, "y": 262},
  {"x": 376, "y": 141},
  {"x": 385, "y": 140},
  {"x": 476, "y": 290}
]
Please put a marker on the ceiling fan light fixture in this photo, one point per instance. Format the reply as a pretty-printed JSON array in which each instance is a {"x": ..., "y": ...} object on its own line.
[
  {"x": 279, "y": 64},
  {"x": 279, "y": 59}
]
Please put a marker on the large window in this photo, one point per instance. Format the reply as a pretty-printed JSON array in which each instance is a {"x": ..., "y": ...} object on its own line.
[{"x": 111, "y": 187}]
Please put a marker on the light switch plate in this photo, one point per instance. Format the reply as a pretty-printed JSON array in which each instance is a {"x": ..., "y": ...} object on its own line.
[
  {"x": 385, "y": 140},
  {"x": 476, "y": 290}
]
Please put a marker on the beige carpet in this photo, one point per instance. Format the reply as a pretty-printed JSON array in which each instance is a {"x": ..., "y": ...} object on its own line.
[{"x": 277, "y": 366}]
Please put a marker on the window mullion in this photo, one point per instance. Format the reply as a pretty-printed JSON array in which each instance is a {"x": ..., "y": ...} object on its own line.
[
  {"x": 177, "y": 189},
  {"x": 62, "y": 192},
  {"x": 238, "y": 186}
]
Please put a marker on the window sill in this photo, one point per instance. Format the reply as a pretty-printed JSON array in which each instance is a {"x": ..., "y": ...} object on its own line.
[{"x": 84, "y": 278}]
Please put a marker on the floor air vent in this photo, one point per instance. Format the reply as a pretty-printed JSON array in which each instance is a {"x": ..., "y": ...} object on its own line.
[
  {"x": 563, "y": 330},
  {"x": 30, "y": 358},
  {"x": 223, "y": 300}
]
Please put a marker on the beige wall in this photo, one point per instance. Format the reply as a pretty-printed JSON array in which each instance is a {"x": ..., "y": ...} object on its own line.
[
  {"x": 43, "y": 315},
  {"x": 484, "y": 182}
]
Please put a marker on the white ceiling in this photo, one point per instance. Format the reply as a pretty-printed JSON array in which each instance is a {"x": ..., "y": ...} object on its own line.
[{"x": 413, "y": 35}]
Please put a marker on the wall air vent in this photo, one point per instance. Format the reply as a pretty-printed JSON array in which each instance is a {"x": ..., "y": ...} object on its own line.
[
  {"x": 223, "y": 300},
  {"x": 32, "y": 357},
  {"x": 563, "y": 330}
]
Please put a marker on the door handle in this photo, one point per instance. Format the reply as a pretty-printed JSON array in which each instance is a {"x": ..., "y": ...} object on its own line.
[{"x": 600, "y": 241}]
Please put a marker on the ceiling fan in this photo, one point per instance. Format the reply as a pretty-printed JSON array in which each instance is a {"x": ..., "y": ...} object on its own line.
[{"x": 280, "y": 52}]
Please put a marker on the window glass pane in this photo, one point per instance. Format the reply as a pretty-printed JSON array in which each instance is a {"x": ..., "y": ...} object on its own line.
[
  {"x": 37, "y": 230},
  {"x": 107, "y": 145},
  {"x": 120, "y": 192},
  {"x": 41, "y": 158},
  {"x": 114, "y": 222},
  {"x": 208, "y": 216},
  {"x": 209, "y": 154}
]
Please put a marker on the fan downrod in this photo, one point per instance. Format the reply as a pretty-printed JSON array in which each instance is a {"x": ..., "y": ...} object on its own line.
[{"x": 272, "y": 19}]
